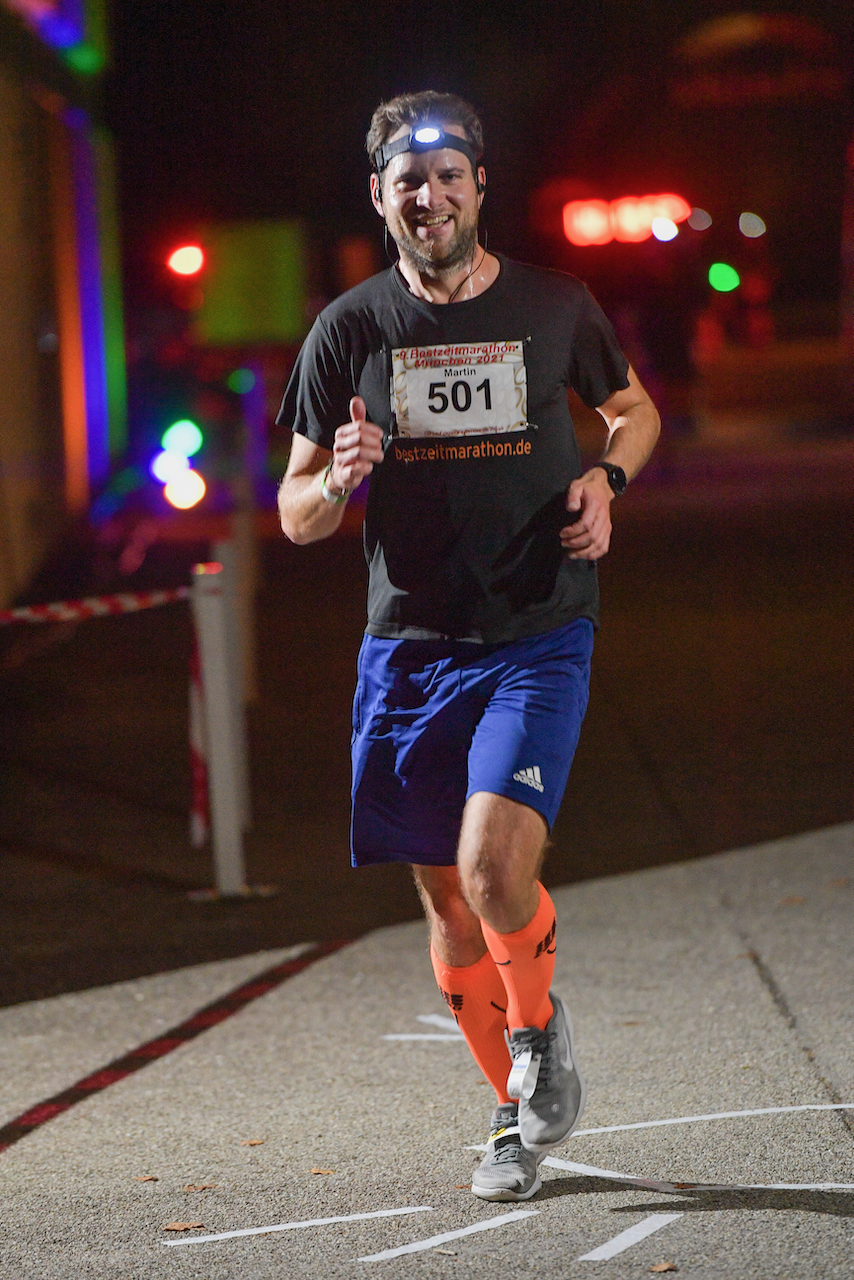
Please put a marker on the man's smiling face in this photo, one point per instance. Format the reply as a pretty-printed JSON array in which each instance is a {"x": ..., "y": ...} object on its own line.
[{"x": 431, "y": 205}]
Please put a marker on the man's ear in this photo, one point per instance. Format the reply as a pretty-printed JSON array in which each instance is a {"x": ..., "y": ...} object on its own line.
[
  {"x": 377, "y": 194},
  {"x": 481, "y": 180}
]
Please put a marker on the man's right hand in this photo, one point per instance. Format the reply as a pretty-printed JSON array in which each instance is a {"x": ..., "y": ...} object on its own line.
[{"x": 358, "y": 445}]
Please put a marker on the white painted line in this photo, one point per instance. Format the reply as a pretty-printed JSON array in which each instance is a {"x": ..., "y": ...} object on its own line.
[
  {"x": 503, "y": 1220},
  {"x": 437, "y": 1020},
  {"x": 717, "y": 1115},
  {"x": 677, "y": 1188},
  {"x": 294, "y": 1226},
  {"x": 591, "y": 1171},
  {"x": 626, "y": 1239},
  {"x": 425, "y": 1035}
]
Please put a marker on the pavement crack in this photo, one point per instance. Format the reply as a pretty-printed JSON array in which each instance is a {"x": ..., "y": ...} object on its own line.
[
  {"x": 772, "y": 986},
  {"x": 783, "y": 1008}
]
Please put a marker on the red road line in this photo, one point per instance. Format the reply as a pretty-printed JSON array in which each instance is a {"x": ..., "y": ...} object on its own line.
[{"x": 202, "y": 1020}]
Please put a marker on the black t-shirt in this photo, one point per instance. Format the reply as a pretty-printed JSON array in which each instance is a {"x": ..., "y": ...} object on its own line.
[{"x": 463, "y": 514}]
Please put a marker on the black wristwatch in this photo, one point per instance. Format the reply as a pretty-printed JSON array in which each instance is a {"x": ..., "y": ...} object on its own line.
[{"x": 616, "y": 477}]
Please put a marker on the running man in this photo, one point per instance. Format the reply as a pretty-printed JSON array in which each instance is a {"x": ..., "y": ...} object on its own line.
[{"x": 444, "y": 379}]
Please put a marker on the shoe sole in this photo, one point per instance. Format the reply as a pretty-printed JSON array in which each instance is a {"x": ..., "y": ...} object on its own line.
[
  {"x": 543, "y": 1148},
  {"x": 505, "y": 1194}
]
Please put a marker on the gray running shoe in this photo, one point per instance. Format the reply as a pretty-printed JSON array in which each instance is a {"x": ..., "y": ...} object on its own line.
[
  {"x": 507, "y": 1171},
  {"x": 546, "y": 1080}
]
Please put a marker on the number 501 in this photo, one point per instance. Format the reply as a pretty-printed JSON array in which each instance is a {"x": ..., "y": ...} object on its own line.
[{"x": 461, "y": 395}]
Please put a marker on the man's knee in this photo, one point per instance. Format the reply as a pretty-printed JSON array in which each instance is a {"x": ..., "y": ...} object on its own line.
[
  {"x": 499, "y": 859},
  {"x": 487, "y": 880}
]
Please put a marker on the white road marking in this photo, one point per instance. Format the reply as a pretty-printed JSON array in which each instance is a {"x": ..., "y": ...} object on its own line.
[
  {"x": 294, "y": 1226},
  {"x": 503, "y": 1220},
  {"x": 425, "y": 1035},
  {"x": 626, "y": 1239},
  {"x": 677, "y": 1188},
  {"x": 717, "y": 1115},
  {"x": 432, "y": 1020},
  {"x": 438, "y": 1020}
]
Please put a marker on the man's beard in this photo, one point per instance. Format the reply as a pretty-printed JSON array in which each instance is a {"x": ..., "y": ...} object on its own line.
[{"x": 459, "y": 252}]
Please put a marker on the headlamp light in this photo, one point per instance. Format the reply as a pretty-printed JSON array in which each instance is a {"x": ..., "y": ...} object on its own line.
[{"x": 425, "y": 137}]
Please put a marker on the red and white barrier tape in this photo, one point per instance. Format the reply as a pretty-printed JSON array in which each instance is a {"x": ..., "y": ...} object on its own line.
[
  {"x": 199, "y": 795},
  {"x": 93, "y": 606}
]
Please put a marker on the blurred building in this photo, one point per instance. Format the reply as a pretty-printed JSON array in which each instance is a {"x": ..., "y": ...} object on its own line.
[
  {"x": 750, "y": 115},
  {"x": 748, "y": 120},
  {"x": 62, "y": 368}
]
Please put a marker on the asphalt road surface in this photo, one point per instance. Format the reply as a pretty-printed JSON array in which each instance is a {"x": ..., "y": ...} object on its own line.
[{"x": 326, "y": 1128}]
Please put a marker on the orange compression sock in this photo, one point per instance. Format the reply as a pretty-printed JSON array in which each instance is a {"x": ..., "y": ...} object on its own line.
[
  {"x": 476, "y": 997},
  {"x": 526, "y": 962}
]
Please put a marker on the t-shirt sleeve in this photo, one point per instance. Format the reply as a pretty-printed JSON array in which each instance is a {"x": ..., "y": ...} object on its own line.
[
  {"x": 316, "y": 401},
  {"x": 597, "y": 366}
]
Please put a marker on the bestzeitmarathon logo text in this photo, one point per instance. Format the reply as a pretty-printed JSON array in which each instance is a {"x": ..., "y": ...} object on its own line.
[{"x": 449, "y": 452}]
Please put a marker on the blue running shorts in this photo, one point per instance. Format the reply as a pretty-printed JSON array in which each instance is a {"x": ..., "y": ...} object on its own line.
[{"x": 436, "y": 720}]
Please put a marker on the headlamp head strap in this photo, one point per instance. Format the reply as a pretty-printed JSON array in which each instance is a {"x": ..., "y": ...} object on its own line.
[{"x": 425, "y": 137}]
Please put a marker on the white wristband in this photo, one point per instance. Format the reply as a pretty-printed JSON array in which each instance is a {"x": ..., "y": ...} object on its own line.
[{"x": 333, "y": 498}]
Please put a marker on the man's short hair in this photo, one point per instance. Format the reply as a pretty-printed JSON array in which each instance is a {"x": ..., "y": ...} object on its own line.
[{"x": 415, "y": 108}]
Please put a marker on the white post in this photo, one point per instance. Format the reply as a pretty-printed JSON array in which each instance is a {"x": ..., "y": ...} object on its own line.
[
  {"x": 209, "y": 611},
  {"x": 199, "y": 803},
  {"x": 227, "y": 553}
]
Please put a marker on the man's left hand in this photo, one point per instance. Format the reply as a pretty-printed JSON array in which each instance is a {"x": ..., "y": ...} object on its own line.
[{"x": 589, "y": 537}]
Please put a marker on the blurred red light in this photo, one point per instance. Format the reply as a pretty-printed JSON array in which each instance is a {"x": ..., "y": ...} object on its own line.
[
  {"x": 628, "y": 220},
  {"x": 587, "y": 222},
  {"x": 671, "y": 206},
  {"x": 187, "y": 260},
  {"x": 631, "y": 219}
]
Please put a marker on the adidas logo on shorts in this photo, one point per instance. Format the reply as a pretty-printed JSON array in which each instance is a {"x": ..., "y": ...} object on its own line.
[{"x": 531, "y": 777}]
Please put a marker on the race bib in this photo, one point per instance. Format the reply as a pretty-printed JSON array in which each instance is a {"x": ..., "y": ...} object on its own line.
[{"x": 467, "y": 388}]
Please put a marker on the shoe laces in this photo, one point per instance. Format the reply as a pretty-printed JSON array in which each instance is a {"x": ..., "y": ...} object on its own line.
[
  {"x": 540, "y": 1043},
  {"x": 506, "y": 1148}
]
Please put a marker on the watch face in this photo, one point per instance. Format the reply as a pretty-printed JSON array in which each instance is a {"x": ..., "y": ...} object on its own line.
[{"x": 616, "y": 477}]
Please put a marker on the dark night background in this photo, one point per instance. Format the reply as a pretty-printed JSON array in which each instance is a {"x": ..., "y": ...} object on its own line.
[{"x": 259, "y": 109}]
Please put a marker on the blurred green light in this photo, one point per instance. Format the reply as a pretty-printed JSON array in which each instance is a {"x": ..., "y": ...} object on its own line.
[
  {"x": 723, "y": 277},
  {"x": 183, "y": 437},
  {"x": 84, "y": 58},
  {"x": 241, "y": 381}
]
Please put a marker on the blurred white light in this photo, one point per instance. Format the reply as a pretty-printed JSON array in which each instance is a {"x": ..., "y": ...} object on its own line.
[
  {"x": 185, "y": 490},
  {"x": 165, "y": 466},
  {"x": 664, "y": 229},
  {"x": 751, "y": 225},
  {"x": 700, "y": 220},
  {"x": 426, "y": 134}
]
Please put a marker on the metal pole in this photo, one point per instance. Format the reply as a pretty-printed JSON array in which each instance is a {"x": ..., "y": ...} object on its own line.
[
  {"x": 209, "y": 611},
  {"x": 199, "y": 803}
]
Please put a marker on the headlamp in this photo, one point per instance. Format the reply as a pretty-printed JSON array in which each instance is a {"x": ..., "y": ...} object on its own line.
[{"x": 425, "y": 137}]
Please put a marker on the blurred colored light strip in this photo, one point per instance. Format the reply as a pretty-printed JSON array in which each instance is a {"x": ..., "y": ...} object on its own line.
[
  {"x": 63, "y": 26},
  {"x": 629, "y": 220},
  {"x": 72, "y": 378},
  {"x": 111, "y": 292},
  {"x": 91, "y": 302},
  {"x": 75, "y": 28}
]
